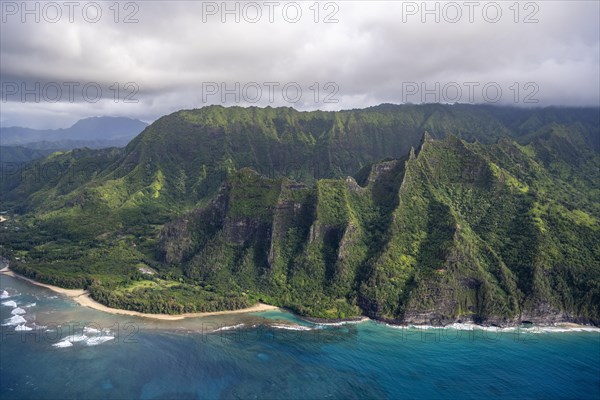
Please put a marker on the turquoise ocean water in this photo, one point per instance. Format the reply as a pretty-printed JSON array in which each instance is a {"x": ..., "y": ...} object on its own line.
[{"x": 275, "y": 355}]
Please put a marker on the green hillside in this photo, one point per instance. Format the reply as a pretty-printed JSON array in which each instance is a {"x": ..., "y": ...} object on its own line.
[{"x": 490, "y": 216}]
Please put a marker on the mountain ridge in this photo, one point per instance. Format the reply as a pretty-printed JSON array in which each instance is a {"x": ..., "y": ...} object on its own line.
[{"x": 330, "y": 214}]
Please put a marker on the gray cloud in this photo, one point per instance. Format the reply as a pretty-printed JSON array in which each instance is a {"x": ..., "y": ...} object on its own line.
[{"x": 375, "y": 53}]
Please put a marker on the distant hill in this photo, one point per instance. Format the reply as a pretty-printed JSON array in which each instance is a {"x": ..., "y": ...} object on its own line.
[
  {"x": 94, "y": 132},
  {"x": 20, "y": 154}
]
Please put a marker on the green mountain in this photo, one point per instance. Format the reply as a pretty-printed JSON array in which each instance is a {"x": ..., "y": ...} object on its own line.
[
  {"x": 18, "y": 155},
  {"x": 491, "y": 216}
]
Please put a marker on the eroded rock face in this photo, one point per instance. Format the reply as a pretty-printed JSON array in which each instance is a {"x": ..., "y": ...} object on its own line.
[
  {"x": 175, "y": 241},
  {"x": 239, "y": 231},
  {"x": 178, "y": 239},
  {"x": 287, "y": 215},
  {"x": 442, "y": 236},
  {"x": 379, "y": 169},
  {"x": 545, "y": 314}
]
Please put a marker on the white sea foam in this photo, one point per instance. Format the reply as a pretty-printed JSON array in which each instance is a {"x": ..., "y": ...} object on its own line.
[
  {"x": 293, "y": 327},
  {"x": 342, "y": 322},
  {"x": 462, "y": 327},
  {"x": 558, "y": 329},
  {"x": 523, "y": 329},
  {"x": 470, "y": 327},
  {"x": 18, "y": 311},
  {"x": 30, "y": 305},
  {"x": 228, "y": 328},
  {"x": 10, "y": 303},
  {"x": 23, "y": 328},
  {"x": 4, "y": 295},
  {"x": 393, "y": 326},
  {"x": 459, "y": 326},
  {"x": 76, "y": 338},
  {"x": 87, "y": 329},
  {"x": 15, "y": 320},
  {"x": 418, "y": 327},
  {"x": 64, "y": 343},
  {"x": 98, "y": 340},
  {"x": 88, "y": 341},
  {"x": 526, "y": 329}
]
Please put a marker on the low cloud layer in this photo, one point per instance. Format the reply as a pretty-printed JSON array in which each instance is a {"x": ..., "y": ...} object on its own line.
[{"x": 147, "y": 59}]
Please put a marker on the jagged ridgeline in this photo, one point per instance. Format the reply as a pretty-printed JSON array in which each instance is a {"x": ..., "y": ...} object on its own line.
[{"x": 491, "y": 216}]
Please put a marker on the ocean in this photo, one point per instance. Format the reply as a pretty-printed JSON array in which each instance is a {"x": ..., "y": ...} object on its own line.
[{"x": 73, "y": 352}]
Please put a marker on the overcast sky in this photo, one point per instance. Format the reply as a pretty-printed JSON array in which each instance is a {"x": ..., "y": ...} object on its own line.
[{"x": 166, "y": 56}]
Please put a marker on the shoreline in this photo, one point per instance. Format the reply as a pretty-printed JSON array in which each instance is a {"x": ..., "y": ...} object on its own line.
[{"x": 82, "y": 297}]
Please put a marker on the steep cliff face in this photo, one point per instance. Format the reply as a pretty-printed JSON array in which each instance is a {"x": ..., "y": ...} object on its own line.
[
  {"x": 469, "y": 242},
  {"x": 447, "y": 234},
  {"x": 180, "y": 238}
]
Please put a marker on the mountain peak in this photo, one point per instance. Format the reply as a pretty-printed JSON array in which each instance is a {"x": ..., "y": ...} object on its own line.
[
  {"x": 412, "y": 155},
  {"x": 94, "y": 132},
  {"x": 426, "y": 138}
]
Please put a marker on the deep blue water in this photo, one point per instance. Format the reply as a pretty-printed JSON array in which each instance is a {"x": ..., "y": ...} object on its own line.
[{"x": 172, "y": 360}]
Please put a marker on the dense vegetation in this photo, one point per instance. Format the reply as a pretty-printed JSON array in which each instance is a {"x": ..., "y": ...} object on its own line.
[
  {"x": 492, "y": 216},
  {"x": 11, "y": 156}
]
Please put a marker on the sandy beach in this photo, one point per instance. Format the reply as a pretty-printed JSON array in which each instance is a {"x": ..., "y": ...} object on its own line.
[{"x": 82, "y": 297}]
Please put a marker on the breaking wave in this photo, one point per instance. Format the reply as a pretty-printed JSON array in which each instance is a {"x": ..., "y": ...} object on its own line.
[
  {"x": 15, "y": 320},
  {"x": 23, "y": 328},
  {"x": 525, "y": 329},
  {"x": 18, "y": 311},
  {"x": 293, "y": 327}
]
